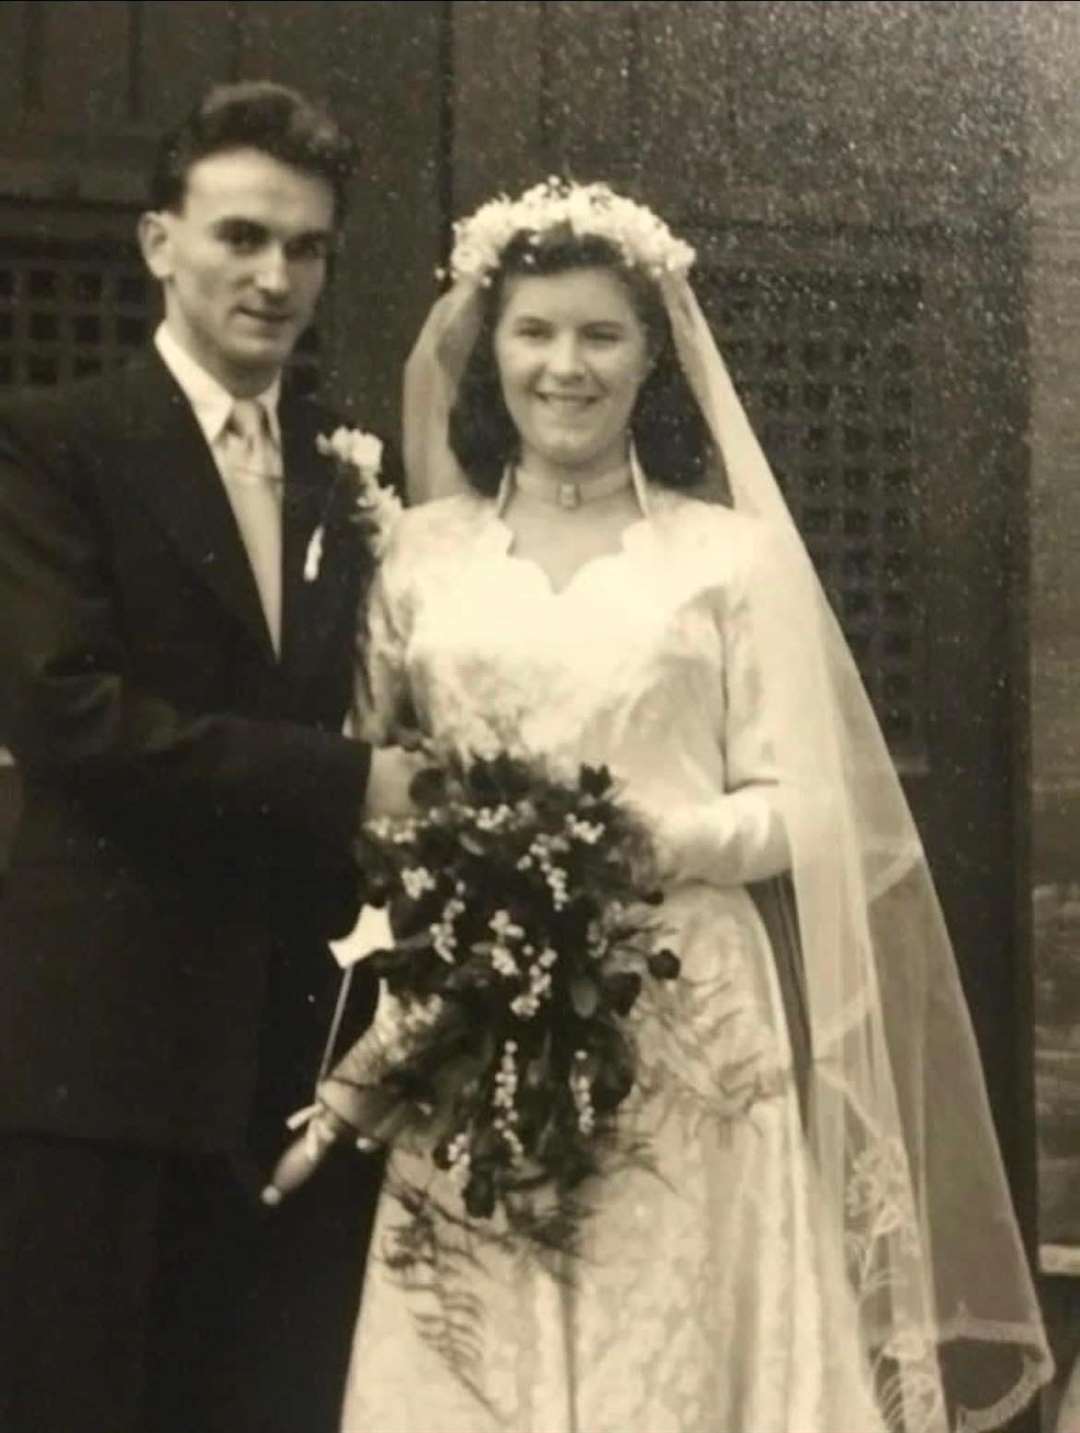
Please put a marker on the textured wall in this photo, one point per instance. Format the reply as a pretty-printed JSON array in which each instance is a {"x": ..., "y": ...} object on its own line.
[
  {"x": 87, "y": 85},
  {"x": 1052, "y": 46}
]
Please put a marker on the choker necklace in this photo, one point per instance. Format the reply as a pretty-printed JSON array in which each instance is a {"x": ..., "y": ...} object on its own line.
[{"x": 565, "y": 493}]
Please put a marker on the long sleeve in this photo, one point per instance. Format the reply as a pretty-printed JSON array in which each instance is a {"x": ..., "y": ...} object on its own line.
[
  {"x": 739, "y": 836},
  {"x": 76, "y": 714}
]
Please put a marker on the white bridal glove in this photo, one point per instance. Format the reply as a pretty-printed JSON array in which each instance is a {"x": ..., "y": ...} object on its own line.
[{"x": 735, "y": 839}]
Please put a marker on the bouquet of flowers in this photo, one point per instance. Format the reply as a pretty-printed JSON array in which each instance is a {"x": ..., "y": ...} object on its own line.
[{"x": 523, "y": 936}]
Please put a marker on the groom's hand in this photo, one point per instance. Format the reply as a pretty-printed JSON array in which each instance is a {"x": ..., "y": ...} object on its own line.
[{"x": 391, "y": 775}]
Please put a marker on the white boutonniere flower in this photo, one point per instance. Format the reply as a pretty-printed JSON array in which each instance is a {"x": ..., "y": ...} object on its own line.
[
  {"x": 358, "y": 458},
  {"x": 353, "y": 446}
]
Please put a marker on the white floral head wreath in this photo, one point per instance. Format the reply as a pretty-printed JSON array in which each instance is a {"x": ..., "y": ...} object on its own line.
[{"x": 641, "y": 237}]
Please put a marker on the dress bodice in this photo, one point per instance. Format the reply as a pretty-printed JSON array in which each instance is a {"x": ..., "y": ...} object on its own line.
[{"x": 642, "y": 662}]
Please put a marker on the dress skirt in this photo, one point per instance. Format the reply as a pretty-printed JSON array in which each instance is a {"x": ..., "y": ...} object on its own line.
[{"x": 706, "y": 1298}]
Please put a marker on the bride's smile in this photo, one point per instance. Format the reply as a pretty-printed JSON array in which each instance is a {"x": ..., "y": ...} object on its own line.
[{"x": 572, "y": 354}]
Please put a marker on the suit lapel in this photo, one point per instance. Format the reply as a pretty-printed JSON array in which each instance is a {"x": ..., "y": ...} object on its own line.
[
  {"x": 167, "y": 462},
  {"x": 314, "y": 608}
]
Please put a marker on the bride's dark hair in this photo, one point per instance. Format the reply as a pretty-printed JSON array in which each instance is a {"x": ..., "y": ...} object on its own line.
[{"x": 669, "y": 433}]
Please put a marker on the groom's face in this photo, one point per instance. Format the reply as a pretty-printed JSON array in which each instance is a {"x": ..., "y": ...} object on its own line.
[{"x": 242, "y": 262}]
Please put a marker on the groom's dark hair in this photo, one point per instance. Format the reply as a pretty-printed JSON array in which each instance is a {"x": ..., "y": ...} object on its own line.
[{"x": 261, "y": 115}]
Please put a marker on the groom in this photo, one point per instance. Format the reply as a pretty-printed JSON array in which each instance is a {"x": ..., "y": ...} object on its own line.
[{"x": 173, "y": 687}]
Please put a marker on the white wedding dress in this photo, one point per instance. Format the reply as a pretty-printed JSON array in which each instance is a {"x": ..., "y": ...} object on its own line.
[{"x": 708, "y": 1299}]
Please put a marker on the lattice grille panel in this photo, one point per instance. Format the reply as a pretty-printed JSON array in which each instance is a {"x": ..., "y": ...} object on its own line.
[
  {"x": 71, "y": 308},
  {"x": 826, "y": 362}
]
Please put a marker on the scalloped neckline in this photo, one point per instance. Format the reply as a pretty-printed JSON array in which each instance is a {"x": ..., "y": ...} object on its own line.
[{"x": 629, "y": 537}]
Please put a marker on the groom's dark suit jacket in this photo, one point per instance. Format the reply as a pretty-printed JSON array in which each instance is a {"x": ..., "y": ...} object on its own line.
[{"x": 189, "y": 800}]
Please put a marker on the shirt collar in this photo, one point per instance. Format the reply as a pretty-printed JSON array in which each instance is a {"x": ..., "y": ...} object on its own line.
[{"x": 212, "y": 404}]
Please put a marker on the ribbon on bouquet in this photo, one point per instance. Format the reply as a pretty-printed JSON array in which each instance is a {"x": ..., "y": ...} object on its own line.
[{"x": 320, "y": 1127}]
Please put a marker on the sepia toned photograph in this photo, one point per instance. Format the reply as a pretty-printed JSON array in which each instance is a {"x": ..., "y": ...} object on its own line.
[{"x": 539, "y": 716}]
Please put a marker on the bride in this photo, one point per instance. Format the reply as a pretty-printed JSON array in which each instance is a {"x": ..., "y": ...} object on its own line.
[{"x": 608, "y": 575}]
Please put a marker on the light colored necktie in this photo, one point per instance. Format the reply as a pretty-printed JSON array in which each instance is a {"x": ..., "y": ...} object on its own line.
[{"x": 253, "y": 481}]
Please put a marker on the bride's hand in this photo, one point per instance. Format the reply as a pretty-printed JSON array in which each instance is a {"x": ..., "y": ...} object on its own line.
[{"x": 389, "y": 780}]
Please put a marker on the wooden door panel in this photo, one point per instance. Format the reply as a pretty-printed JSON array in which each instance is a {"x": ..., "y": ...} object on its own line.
[
  {"x": 180, "y": 51},
  {"x": 84, "y": 51}
]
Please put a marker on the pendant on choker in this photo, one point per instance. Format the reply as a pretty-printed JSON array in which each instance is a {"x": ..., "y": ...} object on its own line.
[{"x": 569, "y": 494}]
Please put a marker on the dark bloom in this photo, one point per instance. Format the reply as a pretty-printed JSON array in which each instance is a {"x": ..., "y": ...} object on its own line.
[
  {"x": 596, "y": 781},
  {"x": 664, "y": 965},
  {"x": 612, "y": 1084},
  {"x": 501, "y": 778},
  {"x": 622, "y": 990},
  {"x": 429, "y": 787}
]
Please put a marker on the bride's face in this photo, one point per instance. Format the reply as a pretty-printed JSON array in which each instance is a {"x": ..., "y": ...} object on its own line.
[{"x": 571, "y": 353}]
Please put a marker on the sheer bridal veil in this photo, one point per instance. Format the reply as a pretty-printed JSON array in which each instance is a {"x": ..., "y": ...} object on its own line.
[{"x": 898, "y": 1125}]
